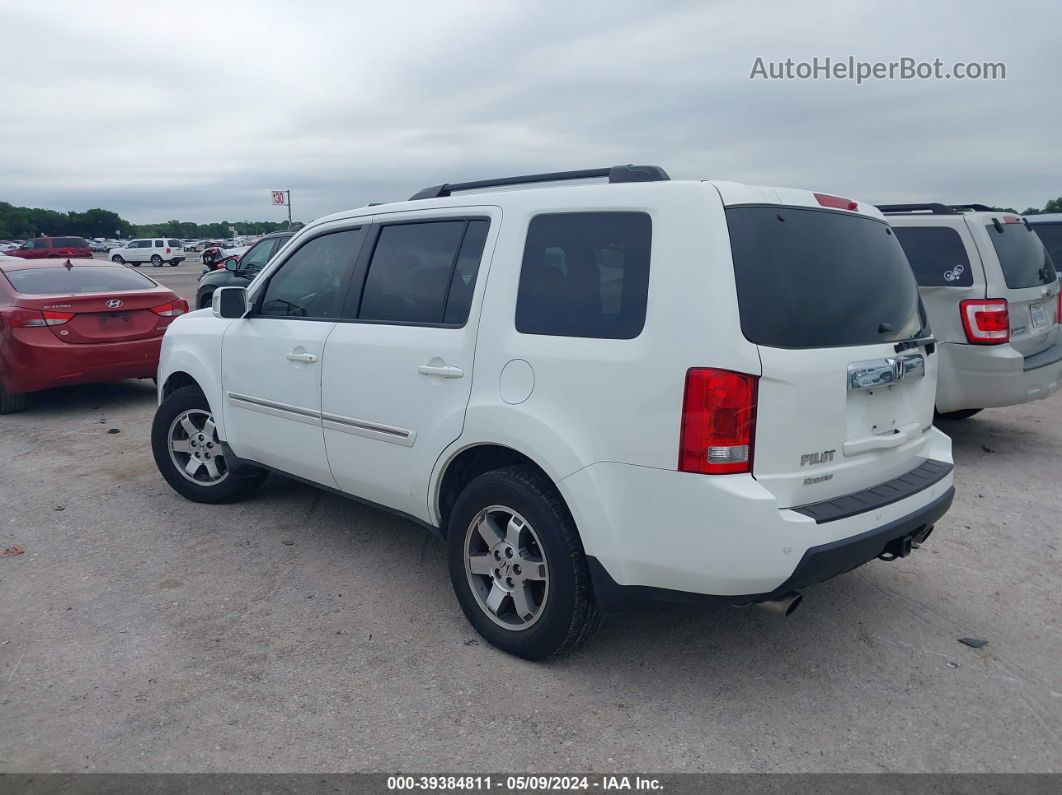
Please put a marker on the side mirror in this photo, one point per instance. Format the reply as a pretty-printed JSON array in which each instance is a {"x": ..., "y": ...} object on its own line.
[
  {"x": 231, "y": 264},
  {"x": 230, "y": 302}
]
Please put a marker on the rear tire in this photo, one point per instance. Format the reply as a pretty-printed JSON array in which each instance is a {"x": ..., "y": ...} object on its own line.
[
  {"x": 182, "y": 432},
  {"x": 540, "y": 558},
  {"x": 9, "y": 404},
  {"x": 961, "y": 414},
  {"x": 156, "y": 261},
  {"x": 175, "y": 263}
]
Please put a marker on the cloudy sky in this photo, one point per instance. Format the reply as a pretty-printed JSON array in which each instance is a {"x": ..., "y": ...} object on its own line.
[{"x": 195, "y": 110}]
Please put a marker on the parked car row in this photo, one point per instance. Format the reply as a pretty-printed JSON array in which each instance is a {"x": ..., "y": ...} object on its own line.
[{"x": 681, "y": 390}]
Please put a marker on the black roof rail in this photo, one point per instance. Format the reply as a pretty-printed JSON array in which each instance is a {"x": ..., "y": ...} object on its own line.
[
  {"x": 933, "y": 208},
  {"x": 628, "y": 173},
  {"x": 979, "y": 208}
]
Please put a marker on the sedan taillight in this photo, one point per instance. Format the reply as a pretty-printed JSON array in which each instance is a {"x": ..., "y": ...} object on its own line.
[
  {"x": 172, "y": 309},
  {"x": 986, "y": 322},
  {"x": 32, "y": 318}
]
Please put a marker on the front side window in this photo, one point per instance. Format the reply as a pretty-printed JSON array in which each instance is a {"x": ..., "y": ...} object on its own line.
[
  {"x": 937, "y": 255},
  {"x": 585, "y": 275},
  {"x": 308, "y": 284},
  {"x": 1021, "y": 255},
  {"x": 258, "y": 255},
  {"x": 423, "y": 273},
  {"x": 173, "y": 243}
]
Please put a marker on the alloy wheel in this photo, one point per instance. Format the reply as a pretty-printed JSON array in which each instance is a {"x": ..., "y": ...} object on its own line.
[
  {"x": 506, "y": 568},
  {"x": 195, "y": 449}
]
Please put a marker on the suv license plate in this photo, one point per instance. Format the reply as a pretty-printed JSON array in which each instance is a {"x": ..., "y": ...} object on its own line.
[{"x": 1039, "y": 316}]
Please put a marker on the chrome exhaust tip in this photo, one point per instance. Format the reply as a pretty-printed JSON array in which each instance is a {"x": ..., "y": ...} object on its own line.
[{"x": 784, "y": 605}]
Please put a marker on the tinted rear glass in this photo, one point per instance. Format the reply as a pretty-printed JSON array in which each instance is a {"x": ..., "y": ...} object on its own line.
[
  {"x": 60, "y": 281},
  {"x": 1021, "y": 255},
  {"x": 820, "y": 279},
  {"x": 937, "y": 255},
  {"x": 1051, "y": 235}
]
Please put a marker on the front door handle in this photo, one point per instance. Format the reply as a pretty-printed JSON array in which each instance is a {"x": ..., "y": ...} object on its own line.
[
  {"x": 308, "y": 358},
  {"x": 446, "y": 371}
]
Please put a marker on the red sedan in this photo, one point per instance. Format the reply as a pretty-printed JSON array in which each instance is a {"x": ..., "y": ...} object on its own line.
[{"x": 66, "y": 322}]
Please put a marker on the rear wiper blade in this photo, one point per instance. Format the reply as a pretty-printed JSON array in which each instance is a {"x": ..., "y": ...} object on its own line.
[{"x": 915, "y": 342}]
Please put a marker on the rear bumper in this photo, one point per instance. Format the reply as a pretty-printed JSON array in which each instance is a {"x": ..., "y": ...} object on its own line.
[
  {"x": 33, "y": 359},
  {"x": 662, "y": 534},
  {"x": 818, "y": 564},
  {"x": 988, "y": 376}
]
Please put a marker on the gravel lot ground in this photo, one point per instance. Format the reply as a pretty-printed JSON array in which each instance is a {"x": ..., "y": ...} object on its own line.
[{"x": 298, "y": 631}]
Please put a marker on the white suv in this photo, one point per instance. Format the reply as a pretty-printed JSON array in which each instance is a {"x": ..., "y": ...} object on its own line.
[
  {"x": 594, "y": 393},
  {"x": 992, "y": 297},
  {"x": 157, "y": 251}
]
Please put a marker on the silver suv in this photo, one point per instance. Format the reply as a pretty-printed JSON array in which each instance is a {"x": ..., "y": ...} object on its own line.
[{"x": 992, "y": 296}]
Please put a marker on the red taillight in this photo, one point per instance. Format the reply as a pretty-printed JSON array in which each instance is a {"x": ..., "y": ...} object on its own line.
[
  {"x": 836, "y": 202},
  {"x": 985, "y": 322},
  {"x": 172, "y": 309},
  {"x": 718, "y": 421},
  {"x": 32, "y": 318},
  {"x": 167, "y": 250}
]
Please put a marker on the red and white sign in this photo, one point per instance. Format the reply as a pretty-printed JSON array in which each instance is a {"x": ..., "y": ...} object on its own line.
[{"x": 279, "y": 197}]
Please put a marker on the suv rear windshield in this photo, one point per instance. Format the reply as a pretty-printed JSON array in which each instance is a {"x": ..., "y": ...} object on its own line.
[
  {"x": 937, "y": 255},
  {"x": 1021, "y": 255},
  {"x": 1051, "y": 235},
  {"x": 820, "y": 279},
  {"x": 60, "y": 281}
]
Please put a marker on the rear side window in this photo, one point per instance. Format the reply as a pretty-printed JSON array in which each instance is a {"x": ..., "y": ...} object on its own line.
[
  {"x": 92, "y": 279},
  {"x": 820, "y": 279},
  {"x": 1051, "y": 236},
  {"x": 585, "y": 275},
  {"x": 937, "y": 255},
  {"x": 423, "y": 273},
  {"x": 1021, "y": 255},
  {"x": 158, "y": 243}
]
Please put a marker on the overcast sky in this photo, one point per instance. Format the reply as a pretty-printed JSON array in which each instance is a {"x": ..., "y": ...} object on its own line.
[{"x": 195, "y": 110}]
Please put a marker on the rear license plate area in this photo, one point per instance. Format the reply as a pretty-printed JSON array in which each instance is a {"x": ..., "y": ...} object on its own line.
[
  {"x": 113, "y": 320},
  {"x": 1038, "y": 315}
]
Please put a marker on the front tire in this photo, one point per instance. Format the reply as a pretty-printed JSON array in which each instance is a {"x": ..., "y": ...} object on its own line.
[
  {"x": 517, "y": 565},
  {"x": 9, "y": 403},
  {"x": 206, "y": 300},
  {"x": 961, "y": 414},
  {"x": 156, "y": 261},
  {"x": 117, "y": 258},
  {"x": 189, "y": 454}
]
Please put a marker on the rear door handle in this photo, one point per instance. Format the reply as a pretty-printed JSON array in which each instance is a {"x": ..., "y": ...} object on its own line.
[
  {"x": 446, "y": 371},
  {"x": 308, "y": 358}
]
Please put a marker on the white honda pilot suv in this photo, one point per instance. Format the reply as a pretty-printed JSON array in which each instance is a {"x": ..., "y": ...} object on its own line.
[{"x": 595, "y": 393}]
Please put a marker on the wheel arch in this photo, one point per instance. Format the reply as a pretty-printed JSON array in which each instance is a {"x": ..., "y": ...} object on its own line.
[
  {"x": 468, "y": 462},
  {"x": 185, "y": 362}
]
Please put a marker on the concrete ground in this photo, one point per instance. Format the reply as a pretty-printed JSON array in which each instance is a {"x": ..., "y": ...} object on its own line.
[{"x": 298, "y": 631}]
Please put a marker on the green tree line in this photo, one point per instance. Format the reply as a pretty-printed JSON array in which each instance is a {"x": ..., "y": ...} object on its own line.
[{"x": 19, "y": 223}]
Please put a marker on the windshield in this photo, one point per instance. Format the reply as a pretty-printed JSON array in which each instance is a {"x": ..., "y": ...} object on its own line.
[
  {"x": 1021, "y": 255},
  {"x": 820, "y": 279},
  {"x": 61, "y": 281}
]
